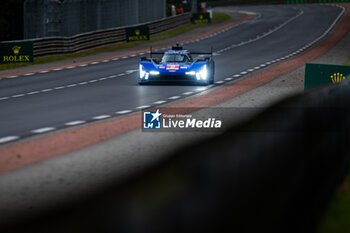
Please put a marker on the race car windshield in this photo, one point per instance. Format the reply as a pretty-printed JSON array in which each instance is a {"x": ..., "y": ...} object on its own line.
[{"x": 176, "y": 58}]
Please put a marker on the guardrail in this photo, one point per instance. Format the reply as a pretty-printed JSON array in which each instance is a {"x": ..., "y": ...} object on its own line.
[{"x": 66, "y": 45}]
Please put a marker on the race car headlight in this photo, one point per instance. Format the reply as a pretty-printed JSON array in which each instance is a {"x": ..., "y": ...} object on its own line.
[
  {"x": 203, "y": 72},
  {"x": 190, "y": 73},
  {"x": 152, "y": 72},
  {"x": 141, "y": 70}
]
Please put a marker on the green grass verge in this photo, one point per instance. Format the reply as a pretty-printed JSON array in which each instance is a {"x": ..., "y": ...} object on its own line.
[
  {"x": 347, "y": 63},
  {"x": 217, "y": 18},
  {"x": 337, "y": 217}
]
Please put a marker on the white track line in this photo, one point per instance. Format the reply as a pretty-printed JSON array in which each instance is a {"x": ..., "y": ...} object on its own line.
[
  {"x": 74, "y": 123},
  {"x": 123, "y": 112},
  {"x": 301, "y": 12},
  {"x": 130, "y": 71},
  {"x": 8, "y": 139},
  {"x": 143, "y": 106},
  {"x": 16, "y": 96},
  {"x": 201, "y": 89},
  {"x": 160, "y": 102},
  {"x": 33, "y": 93},
  {"x": 101, "y": 117},
  {"x": 43, "y": 130}
]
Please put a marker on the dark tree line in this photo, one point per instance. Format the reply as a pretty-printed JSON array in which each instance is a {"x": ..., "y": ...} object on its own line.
[{"x": 11, "y": 20}]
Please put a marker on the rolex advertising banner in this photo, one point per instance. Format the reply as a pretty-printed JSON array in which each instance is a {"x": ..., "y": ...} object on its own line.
[
  {"x": 16, "y": 52},
  {"x": 137, "y": 33},
  {"x": 200, "y": 18},
  {"x": 319, "y": 74}
]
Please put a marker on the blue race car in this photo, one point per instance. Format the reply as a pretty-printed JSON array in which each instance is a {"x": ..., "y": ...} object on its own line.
[{"x": 177, "y": 65}]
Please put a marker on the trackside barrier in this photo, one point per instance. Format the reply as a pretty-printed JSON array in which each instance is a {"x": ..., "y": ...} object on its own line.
[
  {"x": 66, "y": 45},
  {"x": 274, "y": 173}
]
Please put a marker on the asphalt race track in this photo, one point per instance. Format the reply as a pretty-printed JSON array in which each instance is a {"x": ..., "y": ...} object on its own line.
[{"x": 43, "y": 102}]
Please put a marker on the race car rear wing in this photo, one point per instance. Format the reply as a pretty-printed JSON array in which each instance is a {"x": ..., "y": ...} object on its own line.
[{"x": 178, "y": 47}]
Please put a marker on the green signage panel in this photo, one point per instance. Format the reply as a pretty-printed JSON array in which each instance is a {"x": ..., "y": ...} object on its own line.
[
  {"x": 16, "y": 52},
  {"x": 137, "y": 33},
  {"x": 200, "y": 18},
  {"x": 318, "y": 74}
]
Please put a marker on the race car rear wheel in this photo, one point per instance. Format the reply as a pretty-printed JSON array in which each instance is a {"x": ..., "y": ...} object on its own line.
[{"x": 212, "y": 72}]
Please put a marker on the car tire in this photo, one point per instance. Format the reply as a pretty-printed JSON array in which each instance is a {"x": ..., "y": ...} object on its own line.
[{"x": 212, "y": 73}]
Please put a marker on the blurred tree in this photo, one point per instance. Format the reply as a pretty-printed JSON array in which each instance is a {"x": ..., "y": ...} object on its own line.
[{"x": 11, "y": 20}]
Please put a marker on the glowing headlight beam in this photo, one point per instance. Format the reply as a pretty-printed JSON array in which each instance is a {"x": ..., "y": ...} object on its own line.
[
  {"x": 154, "y": 72},
  {"x": 190, "y": 73},
  {"x": 142, "y": 72},
  {"x": 204, "y": 72}
]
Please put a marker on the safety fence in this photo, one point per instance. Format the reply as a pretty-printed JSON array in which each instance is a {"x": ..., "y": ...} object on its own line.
[{"x": 66, "y": 45}]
